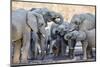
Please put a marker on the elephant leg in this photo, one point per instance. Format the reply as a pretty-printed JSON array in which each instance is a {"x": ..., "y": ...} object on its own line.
[
  {"x": 17, "y": 50},
  {"x": 35, "y": 44},
  {"x": 89, "y": 52},
  {"x": 47, "y": 46},
  {"x": 42, "y": 45},
  {"x": 63, "y": 47},
  {"x": 31, "y": 50},
  {"x": 84, "y": 47},
  {"x": 51, "y": 46},
  {"x": 36, "y": 47},
  {"x": 71, "y": 44},
  {"x": 26, "y": 46}
]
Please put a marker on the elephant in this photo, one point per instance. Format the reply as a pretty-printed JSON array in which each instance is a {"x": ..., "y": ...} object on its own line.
[
  {"x": 57, "y": 34},
  {"x": 76, "y": 36},
  {"x": 86, "y": 38},
  {"x": 23, "y": 23},
  {"x": 57, "y": 18},
  {"x": 16, "y": 32},
  {"x": 85, "y": 21},
  {"x": 53, "y": 35},
  {"x": 63, "y": 29}
]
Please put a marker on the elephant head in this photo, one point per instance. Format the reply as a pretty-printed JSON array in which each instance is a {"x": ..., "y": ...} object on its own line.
[
  {"x": 42, "y": 16},
  {"x": 71, "y": 35},
  {"x": 61, "y": 29},
  {"x": 53, "y": 16},
  {"x": 57, "y": 17},
  {"x": 85, "y": 21},
  {"x": 65, "y": 27},
  {"x": 76, "y": 35},
  {"x": 76, "y": 19},
  {"x": 49, "y": 15}
]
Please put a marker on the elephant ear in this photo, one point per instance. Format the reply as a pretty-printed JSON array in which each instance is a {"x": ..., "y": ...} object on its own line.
[
  {"x": 32, "y": 21},
  {"x": 36, "y": 22},
  {"x": 47, "y": 16}
]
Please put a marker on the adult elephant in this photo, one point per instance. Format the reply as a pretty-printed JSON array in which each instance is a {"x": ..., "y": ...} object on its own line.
[
  {"x": 85, "y": 21},
  {"x": 87, "y": 39},
  {"x": 23, "y": 23}
]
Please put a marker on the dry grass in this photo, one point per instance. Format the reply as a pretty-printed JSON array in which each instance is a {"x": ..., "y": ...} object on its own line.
[{"x": 66, "y": 10}]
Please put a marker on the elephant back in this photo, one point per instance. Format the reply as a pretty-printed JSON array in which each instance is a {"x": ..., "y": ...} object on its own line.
[
  {"x": 17, "y": 24},
  {"x": 32, "y": 21}
]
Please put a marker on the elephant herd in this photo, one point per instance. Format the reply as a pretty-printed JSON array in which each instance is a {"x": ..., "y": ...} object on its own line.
[{"x": 30, "y": 38}]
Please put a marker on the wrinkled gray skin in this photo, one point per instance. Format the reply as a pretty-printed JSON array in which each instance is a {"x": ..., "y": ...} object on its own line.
[
  {"x": 87, "y": 39},
  {"x": 57, "y": 33},
  {"x": 23, "y": 23},
  {"x": 77, "y": 36},
  {"x": 63, "y": 29},
  {"x": 84, "y": 21},
  {"x": 57, "y": 18}
]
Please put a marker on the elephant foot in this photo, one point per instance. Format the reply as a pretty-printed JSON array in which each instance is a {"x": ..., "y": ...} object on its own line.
[
  {"x": 15, "y": 61},
  {"x": 70, "y": 57},
  {"x": 89, "y": 55},
  {"x": 32, "y": 58},
  {"x": 24, "y": 61},
  {"x": 43, "y": 54},
  {"x": 84, "y": 58},
  {"x": 70, "y": 54}
]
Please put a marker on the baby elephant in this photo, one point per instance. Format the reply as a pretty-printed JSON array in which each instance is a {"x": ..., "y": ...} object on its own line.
[{"x": 87, "y": 39}]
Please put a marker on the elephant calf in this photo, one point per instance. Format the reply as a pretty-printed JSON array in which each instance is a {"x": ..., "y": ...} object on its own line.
[
  {"x": 87, "y": 39},
  {"x": 62, "y": 29}
]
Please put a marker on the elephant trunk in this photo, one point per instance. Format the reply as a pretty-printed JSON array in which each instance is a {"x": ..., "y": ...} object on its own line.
[{"x": 67, "y": 36}]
